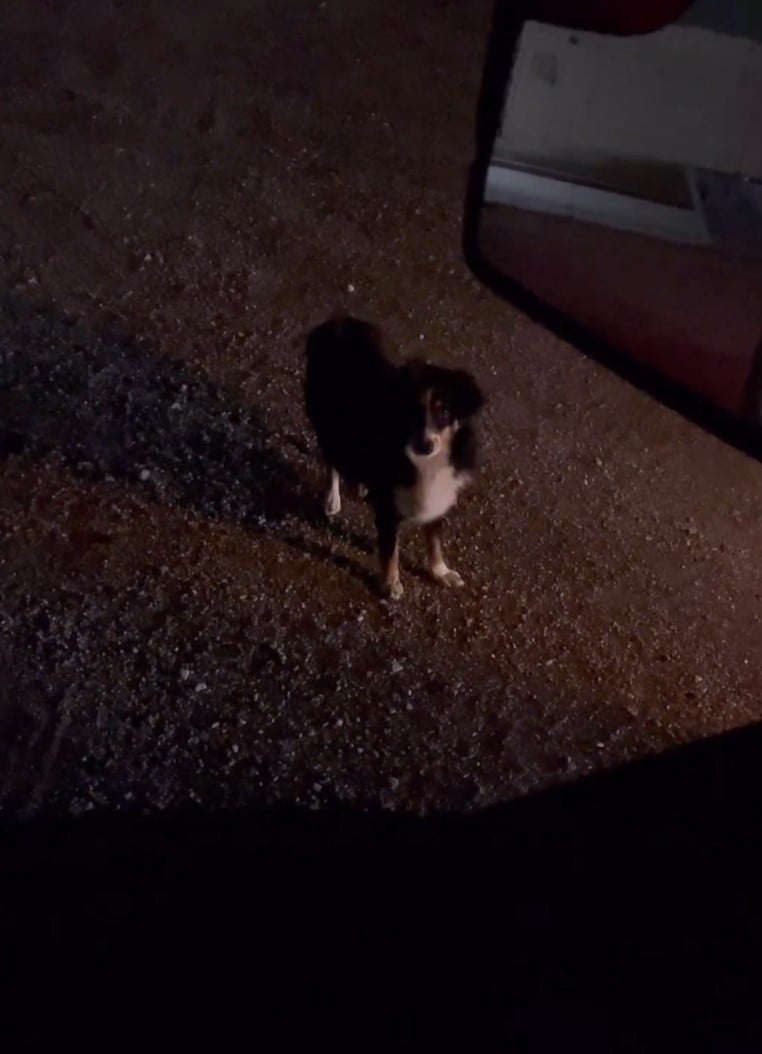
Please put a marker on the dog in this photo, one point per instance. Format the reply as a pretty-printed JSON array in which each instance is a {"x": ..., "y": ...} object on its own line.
[{"x": 402, "y": 434}]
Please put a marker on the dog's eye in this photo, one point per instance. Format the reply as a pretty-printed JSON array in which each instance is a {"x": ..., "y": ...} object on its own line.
[{"x": 441, "y": 414}]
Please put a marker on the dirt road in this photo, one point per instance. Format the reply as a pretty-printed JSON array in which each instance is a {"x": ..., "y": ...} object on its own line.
[{"x": 184, "y": 191}]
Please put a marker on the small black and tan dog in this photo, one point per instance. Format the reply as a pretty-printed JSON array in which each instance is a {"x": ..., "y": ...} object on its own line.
[{"x": 402, "y": 433}]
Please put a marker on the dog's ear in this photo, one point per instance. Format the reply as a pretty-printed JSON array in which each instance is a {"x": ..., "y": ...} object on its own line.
[{"x": 465, "y": 395}]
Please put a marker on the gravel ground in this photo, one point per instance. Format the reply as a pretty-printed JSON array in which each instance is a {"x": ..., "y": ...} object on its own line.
[{"x": 184, "y": 192}]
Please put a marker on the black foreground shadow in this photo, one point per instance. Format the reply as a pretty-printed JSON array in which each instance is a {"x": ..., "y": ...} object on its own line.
[
  {"x": 618, "y": 914},
  {"x": 744, "y": 433}
]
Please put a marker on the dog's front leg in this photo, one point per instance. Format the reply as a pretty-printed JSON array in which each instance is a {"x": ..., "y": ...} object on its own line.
[
  {"x": 387, "y": 526},
  {"x": 332, "y": 503},
  {"x": 437, "y": 566}
]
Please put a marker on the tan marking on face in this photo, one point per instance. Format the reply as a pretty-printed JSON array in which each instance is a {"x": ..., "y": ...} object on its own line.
[{"x": 440, "y": 438}]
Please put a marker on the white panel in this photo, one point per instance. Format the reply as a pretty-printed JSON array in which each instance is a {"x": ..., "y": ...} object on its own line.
[{"x": 684, "y": 94}]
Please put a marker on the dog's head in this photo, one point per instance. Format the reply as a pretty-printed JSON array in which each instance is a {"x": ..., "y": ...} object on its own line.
[{"x": 438, "y": 402}]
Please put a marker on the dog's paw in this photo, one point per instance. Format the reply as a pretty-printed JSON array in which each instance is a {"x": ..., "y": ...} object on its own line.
[
  {"x": 448, "y": 578},
  {"x": 392, "y": 590},
  {"x": 332, "y": 503}
]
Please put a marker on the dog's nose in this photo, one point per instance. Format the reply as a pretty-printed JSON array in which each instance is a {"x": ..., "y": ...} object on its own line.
[{"x": 425, "y": 446}]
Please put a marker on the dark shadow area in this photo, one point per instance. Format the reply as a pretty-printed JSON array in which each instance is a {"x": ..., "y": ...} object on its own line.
[
  {"x": 618, "y": 914},
  {"x": 507, "y": 22},
  {"x": 112, "y": 408}
]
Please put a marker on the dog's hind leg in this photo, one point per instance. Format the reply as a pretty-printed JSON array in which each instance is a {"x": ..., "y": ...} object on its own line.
[{"x": 332, "y": 503}]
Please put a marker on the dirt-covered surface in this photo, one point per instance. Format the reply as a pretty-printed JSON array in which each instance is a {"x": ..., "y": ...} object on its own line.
[{"x": 184, "y": 191}]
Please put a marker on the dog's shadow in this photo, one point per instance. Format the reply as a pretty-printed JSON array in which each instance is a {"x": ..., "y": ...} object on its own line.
[{"x": 112, "y": 408}]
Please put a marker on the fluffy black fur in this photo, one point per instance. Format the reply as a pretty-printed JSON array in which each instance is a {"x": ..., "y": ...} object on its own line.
[{"x": 366, "y": 413}]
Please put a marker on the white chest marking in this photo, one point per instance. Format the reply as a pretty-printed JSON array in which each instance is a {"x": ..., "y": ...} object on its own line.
[{"x": 434, "y": 492}]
